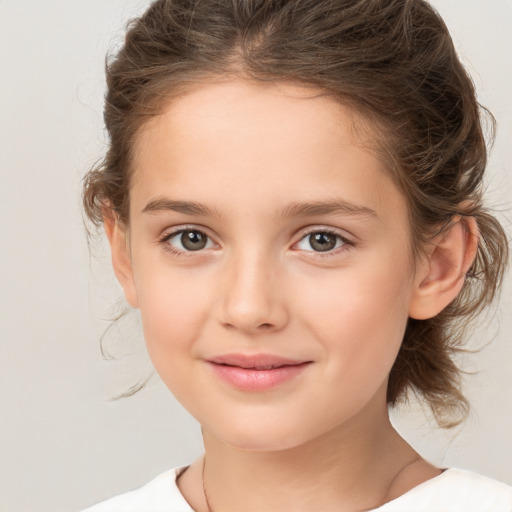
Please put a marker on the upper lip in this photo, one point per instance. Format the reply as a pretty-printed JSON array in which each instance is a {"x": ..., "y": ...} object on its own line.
[{"x": 256, "y": 361}]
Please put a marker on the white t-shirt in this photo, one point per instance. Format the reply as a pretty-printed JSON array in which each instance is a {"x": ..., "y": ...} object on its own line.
[{"x": 454, "y": 490}]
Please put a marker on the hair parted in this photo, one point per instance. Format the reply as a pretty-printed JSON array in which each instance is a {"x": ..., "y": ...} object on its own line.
[{"x": 394, "y": 62}]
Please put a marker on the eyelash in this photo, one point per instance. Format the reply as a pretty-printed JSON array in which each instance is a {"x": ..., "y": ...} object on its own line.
[
  {"x": 164, "y": 241},
  {"x": 346, "y": 244}
]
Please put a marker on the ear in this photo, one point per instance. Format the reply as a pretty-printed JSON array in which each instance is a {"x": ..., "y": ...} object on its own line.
[
  {"x": 441, "y": 274},
  {"x": 121, "y": 261}
]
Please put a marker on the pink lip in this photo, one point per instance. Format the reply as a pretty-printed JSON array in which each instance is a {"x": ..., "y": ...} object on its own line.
[{"x": 255, "y": 373}]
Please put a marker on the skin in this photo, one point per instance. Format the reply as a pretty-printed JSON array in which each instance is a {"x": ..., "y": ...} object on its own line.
[{"x": 247, "y": 153}]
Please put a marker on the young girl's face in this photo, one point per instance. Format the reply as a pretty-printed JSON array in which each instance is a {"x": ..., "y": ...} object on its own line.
[{"x": 263, "y": 233}]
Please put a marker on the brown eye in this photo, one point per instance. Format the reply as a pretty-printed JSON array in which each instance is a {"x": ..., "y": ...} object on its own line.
[
  {"x": 321, "y": 241},
  {"x": 188, "y": 240},
  {"x": 193, "y": 240}
]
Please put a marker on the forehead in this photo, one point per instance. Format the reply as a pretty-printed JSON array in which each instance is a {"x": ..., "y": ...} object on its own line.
[
  {"x": 282, "y": 141},
  {"x": 226, "y": 109}
]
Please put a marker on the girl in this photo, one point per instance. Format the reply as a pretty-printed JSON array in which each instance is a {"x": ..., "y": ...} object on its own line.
[{"x": 293, "y": 198}]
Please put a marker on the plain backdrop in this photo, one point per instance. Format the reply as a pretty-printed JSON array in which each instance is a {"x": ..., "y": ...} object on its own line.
[{"x": 63, "y": 443}]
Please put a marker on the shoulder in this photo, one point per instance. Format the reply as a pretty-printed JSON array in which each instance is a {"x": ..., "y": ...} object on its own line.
[
  {"x": 159, "y": 495},
  {"x": 455, "y": 490}
]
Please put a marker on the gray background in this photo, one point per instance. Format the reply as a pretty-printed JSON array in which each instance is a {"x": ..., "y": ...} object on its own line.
[{"x": 63, "y": 444}]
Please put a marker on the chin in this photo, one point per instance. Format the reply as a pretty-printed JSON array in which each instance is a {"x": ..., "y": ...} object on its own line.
[{"x": 261, "y": 436}]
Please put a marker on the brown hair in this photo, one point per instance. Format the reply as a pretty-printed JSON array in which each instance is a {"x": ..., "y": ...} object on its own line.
[{"x": 393, "y": 60}]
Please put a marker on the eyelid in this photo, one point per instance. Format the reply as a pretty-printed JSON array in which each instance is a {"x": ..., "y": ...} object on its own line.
[
  {"x": 309, "y": 230},
  {"x": 173, "y": 231},
  {"x": 169, "y": 233},
  {"x": 176, "y": 230},
  {"x": 348, "y": 242}
]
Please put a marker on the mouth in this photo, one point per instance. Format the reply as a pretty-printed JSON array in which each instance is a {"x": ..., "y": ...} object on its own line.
[
  {"x": 255, "y": 362},
  {"x": 256, "y": 373},
  {"x": 270, "y": 367}
]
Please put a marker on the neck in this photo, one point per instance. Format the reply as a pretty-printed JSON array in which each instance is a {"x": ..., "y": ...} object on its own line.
[{"x": 351, "y": 468}]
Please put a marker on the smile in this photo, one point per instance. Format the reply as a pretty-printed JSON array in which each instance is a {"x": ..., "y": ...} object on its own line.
[{"x": 256, "y": 373}]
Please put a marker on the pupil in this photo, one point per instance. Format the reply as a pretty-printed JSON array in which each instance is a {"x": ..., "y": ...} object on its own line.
[
  {"x": 322, "y": 241},
  {"x": 193, "y": 240}
]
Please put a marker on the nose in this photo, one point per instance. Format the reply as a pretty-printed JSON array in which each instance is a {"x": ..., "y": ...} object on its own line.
[{"x": 254, "y": 298}]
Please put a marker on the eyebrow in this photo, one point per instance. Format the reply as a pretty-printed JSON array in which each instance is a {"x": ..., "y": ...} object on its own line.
[
  {"x": 326, "y": 208},
  {"x": 296, "y": 209},
  {"x": 186, "y": 207}
]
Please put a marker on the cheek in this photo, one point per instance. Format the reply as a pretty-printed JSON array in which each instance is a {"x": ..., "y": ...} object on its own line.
[
  {"x": 360, "y": 328},
  {"x": 174, "y": 308},
  {"x": 360, "y": 316}
]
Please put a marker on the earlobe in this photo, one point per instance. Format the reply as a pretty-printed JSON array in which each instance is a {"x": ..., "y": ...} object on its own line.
[
  {"x": 118, "y": 238},
  {"x": 441, "y": 274}
]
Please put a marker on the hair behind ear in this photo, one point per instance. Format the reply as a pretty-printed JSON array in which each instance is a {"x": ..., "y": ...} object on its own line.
[{"x": 425, "y": 363}]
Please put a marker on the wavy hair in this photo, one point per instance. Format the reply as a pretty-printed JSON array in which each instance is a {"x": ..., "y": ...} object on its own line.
[{"x": 395, "y": 63}]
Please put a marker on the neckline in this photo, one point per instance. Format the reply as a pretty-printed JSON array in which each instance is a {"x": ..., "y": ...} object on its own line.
[
  {"x": 414, "y": 491},
  {"x": 381, "y": 508}
]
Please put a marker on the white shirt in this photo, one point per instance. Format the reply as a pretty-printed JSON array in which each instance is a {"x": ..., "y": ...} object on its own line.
[{"x": 454, "y": 490}]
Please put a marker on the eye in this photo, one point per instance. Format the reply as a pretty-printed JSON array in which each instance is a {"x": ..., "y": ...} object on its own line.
[
  {"x": 188, "y": 240},
  {"x": 321, "y": 241}
]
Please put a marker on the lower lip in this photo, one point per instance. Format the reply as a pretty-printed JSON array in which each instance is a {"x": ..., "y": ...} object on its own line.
[{"x": 247, "y": 379}]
